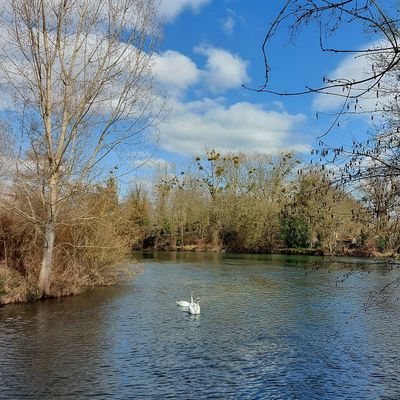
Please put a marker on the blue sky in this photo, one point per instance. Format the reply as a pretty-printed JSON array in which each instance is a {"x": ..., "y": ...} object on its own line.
[{"x": 211, "y": 48}]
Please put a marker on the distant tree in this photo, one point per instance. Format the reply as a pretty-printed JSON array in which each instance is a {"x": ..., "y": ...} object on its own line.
[
  {"x": 382, "y": 200},
  {"x": 331, "y": 213},
  {"x": 229, "y": 200},
  {"x": 135, "y": 217}
]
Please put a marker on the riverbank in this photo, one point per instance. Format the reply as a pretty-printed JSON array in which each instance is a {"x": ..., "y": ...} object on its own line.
[{"x": 18, "y": 288}]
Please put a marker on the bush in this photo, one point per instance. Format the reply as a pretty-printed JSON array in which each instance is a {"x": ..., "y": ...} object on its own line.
[
  {"x": 89, "y": 247},
  {"x": 295, "y": 231}
]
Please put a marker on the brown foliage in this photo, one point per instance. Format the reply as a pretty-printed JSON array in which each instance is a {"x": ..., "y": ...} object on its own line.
[
  {"x": 237, "y": 202},
  {"x": 89, "y": 248}
]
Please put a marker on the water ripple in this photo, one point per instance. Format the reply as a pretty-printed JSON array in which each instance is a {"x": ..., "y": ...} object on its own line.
[{"x": 265, "y": 331}]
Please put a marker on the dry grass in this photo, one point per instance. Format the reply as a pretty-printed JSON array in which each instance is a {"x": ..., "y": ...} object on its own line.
[
  {"x": 89, "y": 251},
  {"x": 15, "y": 288}
]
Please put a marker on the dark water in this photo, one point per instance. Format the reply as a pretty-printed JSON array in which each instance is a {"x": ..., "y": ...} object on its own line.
[{"x": 266, "y": 331}]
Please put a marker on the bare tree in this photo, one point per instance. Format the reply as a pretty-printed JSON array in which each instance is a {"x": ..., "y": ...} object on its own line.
[
  {"x": 76, "y": 78},
  {"x": 332, "y": 16}
]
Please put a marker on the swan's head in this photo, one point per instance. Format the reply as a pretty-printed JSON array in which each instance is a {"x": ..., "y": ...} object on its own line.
[{"x": 197, "y": 300}]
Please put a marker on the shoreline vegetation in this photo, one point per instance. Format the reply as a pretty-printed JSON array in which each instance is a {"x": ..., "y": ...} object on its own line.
[
  {"x": 354, "y": 252},
  {"x": 238, "y": 203}
]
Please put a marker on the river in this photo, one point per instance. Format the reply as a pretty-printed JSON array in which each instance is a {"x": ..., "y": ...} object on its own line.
[{"x": 269, "y": 328}]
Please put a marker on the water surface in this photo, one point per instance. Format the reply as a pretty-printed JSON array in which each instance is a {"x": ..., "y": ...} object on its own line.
[{"x": 268, "y": 329}]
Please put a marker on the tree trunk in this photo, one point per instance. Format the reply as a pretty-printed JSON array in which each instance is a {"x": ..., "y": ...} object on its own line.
[
  {"x": 48, "y": 245},
  {"x": 47, "y": 259}
]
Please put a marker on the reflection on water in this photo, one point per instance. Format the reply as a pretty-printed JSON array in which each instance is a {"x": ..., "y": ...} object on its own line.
[{"x": 266, "y": 331}]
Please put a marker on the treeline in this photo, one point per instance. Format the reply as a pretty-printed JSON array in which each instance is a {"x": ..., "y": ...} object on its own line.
[{"x": 260, "y": 203}]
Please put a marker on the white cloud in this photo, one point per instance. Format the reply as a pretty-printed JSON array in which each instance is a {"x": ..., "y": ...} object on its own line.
[
  {"x": 170, "y": 9},
  {"x": 175, "y": 71},
  {"x": 223, "y": 69},
  {"x": 228, "y": 24},
  {"x": 241, "y": 126}
]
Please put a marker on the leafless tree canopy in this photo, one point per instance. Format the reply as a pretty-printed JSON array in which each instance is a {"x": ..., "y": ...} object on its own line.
[{"x": 331, "y": 16}]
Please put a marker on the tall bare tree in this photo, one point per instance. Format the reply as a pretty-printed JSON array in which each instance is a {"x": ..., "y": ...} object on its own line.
[{"x": 76, "y": 79}]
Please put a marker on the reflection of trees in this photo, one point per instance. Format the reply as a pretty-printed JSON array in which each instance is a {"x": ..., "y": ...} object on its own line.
[{"x": 385, "y": 288}]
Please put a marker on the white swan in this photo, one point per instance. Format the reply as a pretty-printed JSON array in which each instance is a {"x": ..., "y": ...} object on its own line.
[
  {"x": 184, "y": 303},
  {"x": 194, "y": 308}
]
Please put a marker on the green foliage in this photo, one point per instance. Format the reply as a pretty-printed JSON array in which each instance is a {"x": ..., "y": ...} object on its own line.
[
  {"x": 382, "y": 244},
  {"x": 295, "y": 231}
]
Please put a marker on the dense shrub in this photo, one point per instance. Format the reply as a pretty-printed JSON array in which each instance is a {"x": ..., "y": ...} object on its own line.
[{"x": 295, "y": 231}]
